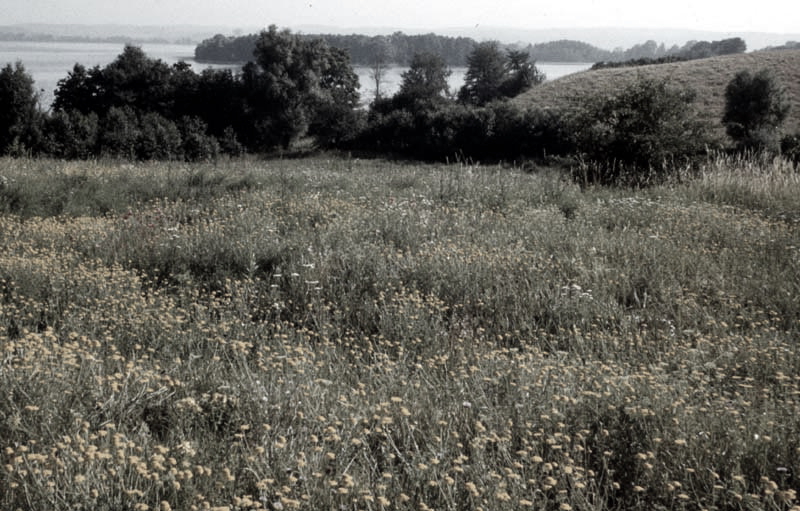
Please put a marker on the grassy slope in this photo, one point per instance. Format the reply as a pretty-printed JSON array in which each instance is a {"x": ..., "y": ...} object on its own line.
[{"x": 708, "y": 77}]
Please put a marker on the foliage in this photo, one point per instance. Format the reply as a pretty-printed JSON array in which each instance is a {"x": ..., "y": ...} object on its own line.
[
  {"x": 71, "y": 134},
  {"x": 295, "y": 86},
  {"x": 18, "y": 108},
  {"x": 290, "y": 82},
  {"x": 485, "y": 74},
  {"x": 447, "y": 131},
  {"x": 790, "y": 147},
  {"x": 196, "y": 144},
  {"x": 421, "y": 121},
  {"x": 138, "y": 103},
  {"x": 159, "y": 139},
  {"x": 644, "y": 132},
  {"x": 755, "y": 107},
  {"x": 119, "y": 133},
  {"x": 424, "y": 84},
  {"x": 132, "y": 80},
  {"x": 493, "y": 75},
  {"x": 521, "y": 74},
  {"x": 78, "y": 91},
  {"x": 705, "y": 49}
]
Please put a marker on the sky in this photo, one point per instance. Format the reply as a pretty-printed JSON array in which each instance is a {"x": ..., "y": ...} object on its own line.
[{"x": 778, "y": 16}]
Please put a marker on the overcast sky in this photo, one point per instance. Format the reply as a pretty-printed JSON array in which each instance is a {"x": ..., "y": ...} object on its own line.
[{"x": 782, "y": 16}]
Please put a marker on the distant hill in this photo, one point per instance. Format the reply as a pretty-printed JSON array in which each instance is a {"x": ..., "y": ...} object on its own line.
[
  {"x": 181, "y": 34},
  {"x": 616, "y": 37},
  {"x": 707, "y": 77}
]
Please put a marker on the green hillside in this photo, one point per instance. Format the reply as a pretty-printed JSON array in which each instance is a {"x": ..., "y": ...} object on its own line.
[{"x": 708, "y": 77}]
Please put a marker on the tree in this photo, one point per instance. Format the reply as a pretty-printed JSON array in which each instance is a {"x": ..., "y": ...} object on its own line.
[
  {"x": 119, "y": 133},
  {"x": 379, "y": 65},
  {"x": 486, "y": 72},
  {"x": 132, "y": 80},
  {"x": 220, "y": 102},
  {"x": 522, "y": 74},
  {"x": 79, "y": 91},
  {"x": 289, "y": 81},
  {"x": 71, "y": 134},
  {"x": 137, "y": 81},
  {"x": 18, "y": 108},
  {"x": 755, "y": 107},
  {"x": 334, "y": 102},
  {"x": 424, "y": 83},
  {"x": 493, "y": 75}
]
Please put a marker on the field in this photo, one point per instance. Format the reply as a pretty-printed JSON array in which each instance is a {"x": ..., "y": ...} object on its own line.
[
  {"x": 707, "y": 77},
  {"x": 333, "y": 333}
]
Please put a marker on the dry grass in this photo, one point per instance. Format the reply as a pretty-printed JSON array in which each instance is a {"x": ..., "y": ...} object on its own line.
[
  {"x": 708, "y": 77},
  {"x": 343, "y": 334}
]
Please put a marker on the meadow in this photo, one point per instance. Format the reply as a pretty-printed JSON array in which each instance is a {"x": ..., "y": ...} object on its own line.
[{"x": 335, "y": 333}]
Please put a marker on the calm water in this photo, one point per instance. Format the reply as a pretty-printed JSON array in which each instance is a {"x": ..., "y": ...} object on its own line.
[{"x": 48, "y": 63}]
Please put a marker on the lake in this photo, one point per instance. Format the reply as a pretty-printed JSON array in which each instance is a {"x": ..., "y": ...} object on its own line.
[{"x": 49, "y": 62}]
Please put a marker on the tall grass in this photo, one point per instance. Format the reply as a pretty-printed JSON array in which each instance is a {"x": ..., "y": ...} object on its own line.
[{"x": 344, "y": 334}]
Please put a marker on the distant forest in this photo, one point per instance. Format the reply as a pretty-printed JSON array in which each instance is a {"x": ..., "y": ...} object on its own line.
[
  {"x": 400, "y": 48},
  {"x": 397, "y": 48}
]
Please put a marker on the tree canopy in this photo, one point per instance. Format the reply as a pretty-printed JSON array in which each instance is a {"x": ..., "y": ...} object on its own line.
[
  {"x": 755, "y": 106},
  {"x": 493, "y": 74},
  {"x": 18, "y": 106}
]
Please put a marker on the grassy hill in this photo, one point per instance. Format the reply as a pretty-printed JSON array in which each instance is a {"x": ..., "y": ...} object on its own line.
[{"x": 708, "y": 77}]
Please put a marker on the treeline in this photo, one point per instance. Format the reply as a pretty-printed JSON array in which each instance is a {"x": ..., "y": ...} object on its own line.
[
  {"x": 300, "y": 90},
  {"x": 790, "y": 45},
  {"x": 654, "y": 54},
  {"x": 295, "y": 89},
  {"x": 398, "y": 48}
]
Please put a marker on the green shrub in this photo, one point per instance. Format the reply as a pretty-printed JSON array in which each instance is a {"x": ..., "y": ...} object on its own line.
[
  {"x": 790, "y": 147},
  {"x": 119, "y": 133},
  {"x": 198, "y": 145},
  {"x": 159, "y": 138},
  {"x": 71, "y": 134},
  {"x": 639, "y": 134}
]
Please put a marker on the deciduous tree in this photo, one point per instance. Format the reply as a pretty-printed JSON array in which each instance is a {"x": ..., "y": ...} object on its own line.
[
  {"x": 424, "y": 82},
  {"x": 18, "y": 108},
  {"x": 493, "y": 74},
  {"x": 291, "y": 80},
  {"x": 486, "y": 73},
  {"x": 755, "y": 107}
]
